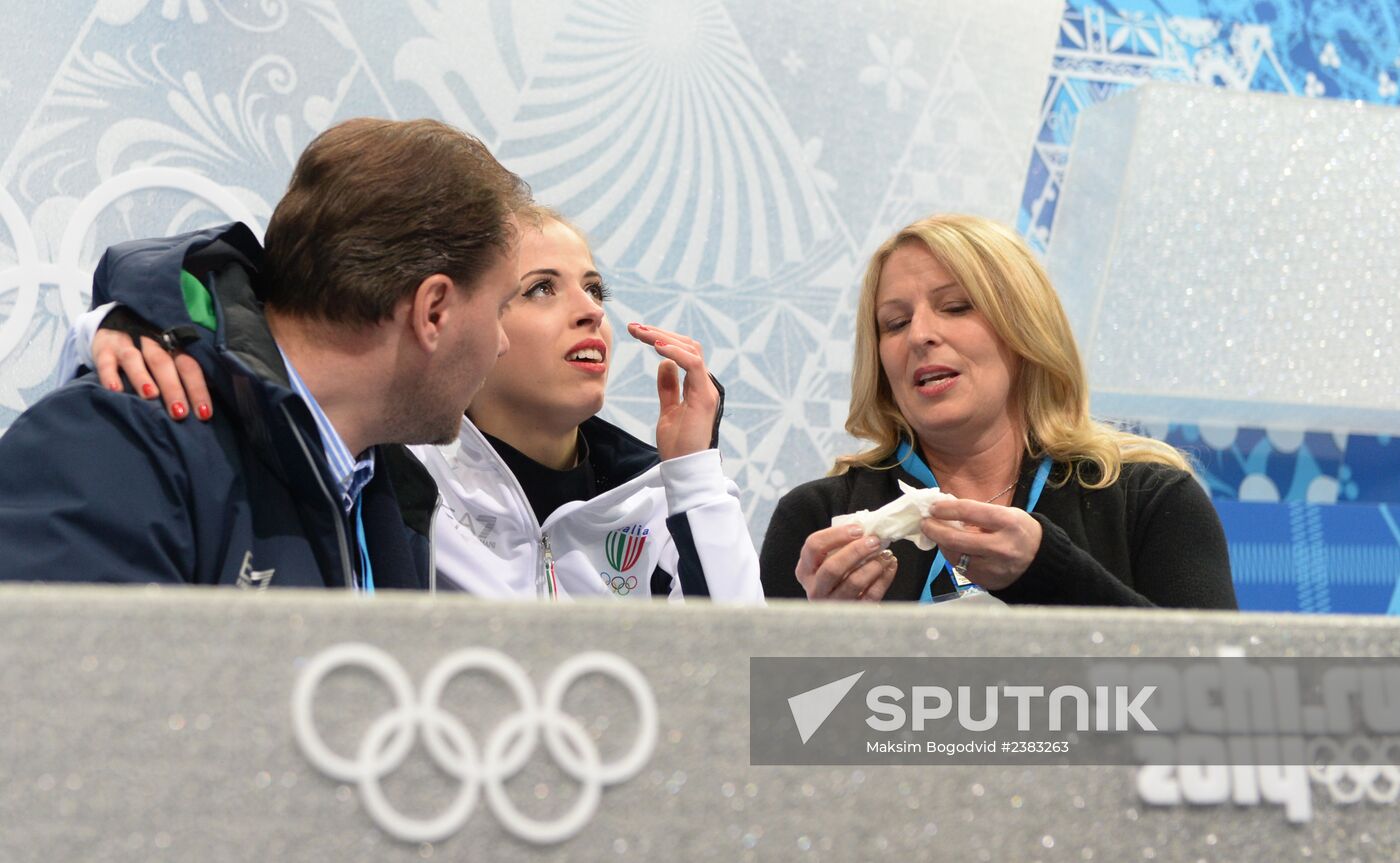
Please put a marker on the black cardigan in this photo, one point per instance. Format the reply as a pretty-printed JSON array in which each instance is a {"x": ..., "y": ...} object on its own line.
[{"x": 1150, "y": 539}]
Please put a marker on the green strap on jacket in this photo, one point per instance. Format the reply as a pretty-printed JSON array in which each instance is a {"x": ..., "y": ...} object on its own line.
[{"x": 198, "y": 301}]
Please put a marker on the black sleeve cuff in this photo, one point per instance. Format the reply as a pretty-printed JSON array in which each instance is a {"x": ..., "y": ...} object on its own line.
[{"x": 1061, "y": 573}]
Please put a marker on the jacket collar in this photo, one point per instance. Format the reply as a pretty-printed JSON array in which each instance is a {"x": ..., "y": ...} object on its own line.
[
  {"x": 240, "y": 360},
  {"x": 616, "y": 456}
]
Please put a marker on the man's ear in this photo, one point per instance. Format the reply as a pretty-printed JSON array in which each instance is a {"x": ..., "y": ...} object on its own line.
[{"x": 431, "y": 304}]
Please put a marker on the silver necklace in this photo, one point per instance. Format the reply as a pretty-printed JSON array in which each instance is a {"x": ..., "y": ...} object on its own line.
[{"x": 1000, "y": 493}]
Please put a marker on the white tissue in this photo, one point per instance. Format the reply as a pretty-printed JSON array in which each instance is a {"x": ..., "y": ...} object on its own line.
[{"x": 898, "y": 519}]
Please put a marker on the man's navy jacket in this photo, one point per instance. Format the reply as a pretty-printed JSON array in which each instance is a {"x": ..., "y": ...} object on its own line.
[{"x": 104, "y": 486}]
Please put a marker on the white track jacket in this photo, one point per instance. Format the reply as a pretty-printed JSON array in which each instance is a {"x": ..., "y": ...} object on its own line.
[{"x": 674, "y": 526}]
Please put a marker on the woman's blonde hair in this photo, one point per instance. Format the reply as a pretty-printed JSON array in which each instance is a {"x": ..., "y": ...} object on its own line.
[
  {"x": 1007, "y": 285},
  {"x": 536, "y": 216}
]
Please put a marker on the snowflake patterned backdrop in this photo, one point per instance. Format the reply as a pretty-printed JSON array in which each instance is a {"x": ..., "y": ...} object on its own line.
[
  {"x": 730, "y": 162},
  {"x": 733, "y": 163}
]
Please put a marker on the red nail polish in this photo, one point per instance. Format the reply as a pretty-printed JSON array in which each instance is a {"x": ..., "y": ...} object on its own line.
[
  {"x": 179, "y": 411},
  {"x": 204, "y": 412},
  {"x": 148, "y": 390}
]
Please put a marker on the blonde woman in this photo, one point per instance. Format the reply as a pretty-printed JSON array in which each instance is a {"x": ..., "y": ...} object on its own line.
[{"x": 967, "y": 378}]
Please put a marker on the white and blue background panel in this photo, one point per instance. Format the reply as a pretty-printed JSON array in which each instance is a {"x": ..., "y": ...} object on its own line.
[{"x": 733, "y": 164}]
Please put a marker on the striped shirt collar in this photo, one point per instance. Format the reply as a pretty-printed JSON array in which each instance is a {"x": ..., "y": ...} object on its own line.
[{"x": 351, "y": 474}]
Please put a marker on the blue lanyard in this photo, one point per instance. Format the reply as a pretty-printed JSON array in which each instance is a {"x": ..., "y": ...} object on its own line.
[
  {"x": 365, "y": 568},
  {"x": 913, "y": 463}
]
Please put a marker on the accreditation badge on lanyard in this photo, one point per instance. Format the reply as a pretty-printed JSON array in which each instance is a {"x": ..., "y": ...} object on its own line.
[{"x": 914, "y": 464}]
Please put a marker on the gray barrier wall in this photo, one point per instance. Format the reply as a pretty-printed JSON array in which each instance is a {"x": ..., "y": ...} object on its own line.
[{"x": 148, "y": 724}]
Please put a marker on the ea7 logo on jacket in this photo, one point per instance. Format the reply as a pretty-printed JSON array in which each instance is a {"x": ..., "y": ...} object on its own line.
[
  {"x": 481, "y": 528},
  {"x": 624, "y": 546},
  {"x": 253, "y": 579}
]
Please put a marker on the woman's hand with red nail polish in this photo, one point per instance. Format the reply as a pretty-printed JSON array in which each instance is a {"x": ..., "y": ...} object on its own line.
[{"x": 152, "y": 371}]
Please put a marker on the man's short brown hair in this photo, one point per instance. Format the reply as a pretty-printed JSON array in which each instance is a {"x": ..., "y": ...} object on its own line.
[{"x": 377, "y": 206}]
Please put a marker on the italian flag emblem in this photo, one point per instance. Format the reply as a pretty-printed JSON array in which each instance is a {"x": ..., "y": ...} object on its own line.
[{"x": 624, "y": 546}]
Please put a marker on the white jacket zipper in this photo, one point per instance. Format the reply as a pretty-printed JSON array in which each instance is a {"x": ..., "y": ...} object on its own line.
[{"x": 545, "y": 586}]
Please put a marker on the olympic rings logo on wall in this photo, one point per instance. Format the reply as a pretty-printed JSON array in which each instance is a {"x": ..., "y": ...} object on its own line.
[
  {"x": 1354, "y": 771},
  {"x": 67, "y": 272},
  {"x": 451, "y": 746},
  {"x": 1374, "y": 775}
]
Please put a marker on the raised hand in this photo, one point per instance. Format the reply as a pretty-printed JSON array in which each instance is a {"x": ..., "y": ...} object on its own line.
[{"x": 687, "y": 419}]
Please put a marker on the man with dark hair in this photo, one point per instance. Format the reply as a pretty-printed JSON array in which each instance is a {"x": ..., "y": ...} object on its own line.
[{"x": 368, "y": 322}]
